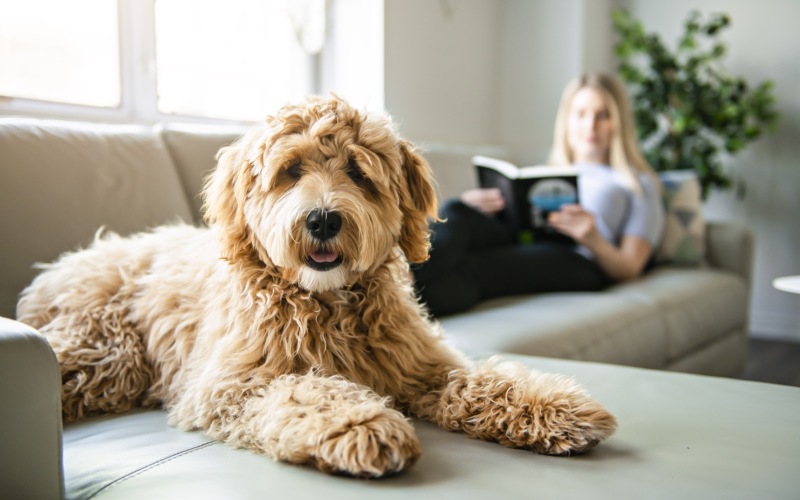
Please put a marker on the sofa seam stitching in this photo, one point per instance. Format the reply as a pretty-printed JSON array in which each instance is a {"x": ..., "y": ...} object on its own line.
[{"x": 150, "y": 466}]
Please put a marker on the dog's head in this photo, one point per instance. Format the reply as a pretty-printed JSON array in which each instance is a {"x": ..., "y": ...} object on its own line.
[{"x": 322, "y": 193}]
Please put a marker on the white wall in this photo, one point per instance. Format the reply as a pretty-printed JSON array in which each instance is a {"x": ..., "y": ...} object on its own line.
[
  {"x": 467, "y": 77},
  {"x": 442, "y": 77},
  {"x": 441, "y": 68},
  {"x": 545, "y": 44},
  {"x": 539, "y": 56},
  {"x": 489, "y": 75}
]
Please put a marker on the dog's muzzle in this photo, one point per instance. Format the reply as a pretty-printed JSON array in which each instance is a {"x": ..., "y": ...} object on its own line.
[{"x": 323, "y": 225}]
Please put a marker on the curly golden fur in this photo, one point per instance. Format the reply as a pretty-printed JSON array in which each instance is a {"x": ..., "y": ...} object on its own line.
[{"x": 289, "y": 326}]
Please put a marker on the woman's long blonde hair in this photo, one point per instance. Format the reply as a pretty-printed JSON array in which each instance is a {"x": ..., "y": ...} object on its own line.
[{"x": 624, "y": 155}]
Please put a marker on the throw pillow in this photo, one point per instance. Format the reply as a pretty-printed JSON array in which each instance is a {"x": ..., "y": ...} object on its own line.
[{"x": 684, "y": 229}]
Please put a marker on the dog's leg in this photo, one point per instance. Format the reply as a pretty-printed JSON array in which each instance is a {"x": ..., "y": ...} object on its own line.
[
  {"x": 329, "y": 422},
  {"x": 82, "y": 304},
  {"x": 507, "y": 403},
  {"x": 102, "y": 361}
]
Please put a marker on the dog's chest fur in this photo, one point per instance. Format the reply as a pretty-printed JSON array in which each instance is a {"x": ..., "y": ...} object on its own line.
[
  {"x": 335, "y": 332},
  {"x": 282, "y": 329}
]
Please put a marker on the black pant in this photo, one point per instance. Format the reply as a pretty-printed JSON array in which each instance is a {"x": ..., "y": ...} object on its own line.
[{"x": 474, "y": 257}]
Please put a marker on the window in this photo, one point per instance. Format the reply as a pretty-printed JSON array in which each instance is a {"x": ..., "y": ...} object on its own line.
[
  {"x": 64, "y": 52},
  {"x": 256, "y": 58},
  {"x": 195, "y": 60}
]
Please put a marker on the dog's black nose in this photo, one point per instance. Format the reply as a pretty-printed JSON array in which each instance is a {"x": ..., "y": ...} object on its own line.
[{"x": 323, "y": 225}]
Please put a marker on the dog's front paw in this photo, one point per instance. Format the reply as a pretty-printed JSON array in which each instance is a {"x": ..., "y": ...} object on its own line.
[
  {"x": 564, "y": 422},
  {"x": 384, "y": 444},
  {"x": 507, "y": 403}
]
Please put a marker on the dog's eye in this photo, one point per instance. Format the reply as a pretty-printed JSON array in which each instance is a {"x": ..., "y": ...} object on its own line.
[
  {"x": 354, "y": 172},
  {"x": 295, "y": 171}
]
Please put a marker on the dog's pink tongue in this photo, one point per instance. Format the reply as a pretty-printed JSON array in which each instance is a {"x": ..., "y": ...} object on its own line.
[{"x": 324, "y": 256}]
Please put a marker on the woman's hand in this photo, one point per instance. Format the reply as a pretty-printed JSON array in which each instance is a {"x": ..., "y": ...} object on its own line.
[
  {"x": 576, "y": 223},
  {"x": 623, "y": 262},
  {"x": 487, "y": 200}
]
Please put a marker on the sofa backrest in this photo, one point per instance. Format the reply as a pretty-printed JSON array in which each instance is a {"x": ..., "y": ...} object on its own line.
[
  {"x": 193, "y": 149},
  {"x": 62, "y": 181}
]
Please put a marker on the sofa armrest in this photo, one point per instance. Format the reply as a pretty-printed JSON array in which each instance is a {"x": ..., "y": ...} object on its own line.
[
  {"x": 729, "y": 246},
  {"x": 30, "y": 433}
]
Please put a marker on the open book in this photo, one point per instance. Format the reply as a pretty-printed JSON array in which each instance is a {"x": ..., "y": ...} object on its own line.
[{"x": 531, "y": 193}]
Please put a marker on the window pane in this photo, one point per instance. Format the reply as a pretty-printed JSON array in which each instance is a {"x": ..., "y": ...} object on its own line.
[
  {"x": 235, "y": 59},
  {"x": 62, "y": 51},
  {"x": 353, "y": 62}
]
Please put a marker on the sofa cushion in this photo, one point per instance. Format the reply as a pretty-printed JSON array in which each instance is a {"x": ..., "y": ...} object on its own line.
[
  {"x": 614, "y": 327},
  {"x": 61, "y": 181},
  {"x": 679, "y": 436},
  {"x": 649, "y": 322},
  {"x": 194, "y": 150},
  {"x": 697, "y": 306},
  {"x": 725, "y": 357}
]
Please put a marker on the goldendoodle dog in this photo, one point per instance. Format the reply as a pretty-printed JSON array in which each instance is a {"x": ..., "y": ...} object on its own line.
[{"x": 289, "y": 326}]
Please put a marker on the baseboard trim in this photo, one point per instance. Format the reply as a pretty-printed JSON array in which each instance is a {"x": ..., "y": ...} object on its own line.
[{"x": 775, "y": 326}]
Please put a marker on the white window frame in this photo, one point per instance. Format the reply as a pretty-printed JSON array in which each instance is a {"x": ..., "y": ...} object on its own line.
[
  {"x": 138, "y": 98},
  {"x": 136, "y": 94}
]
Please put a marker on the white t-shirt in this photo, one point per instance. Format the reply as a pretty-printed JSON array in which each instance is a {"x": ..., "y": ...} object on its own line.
[{"x": 618, "y": 210}]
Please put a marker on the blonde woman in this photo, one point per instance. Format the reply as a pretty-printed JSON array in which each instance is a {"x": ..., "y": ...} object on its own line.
[{"x": 617, "y": 225}]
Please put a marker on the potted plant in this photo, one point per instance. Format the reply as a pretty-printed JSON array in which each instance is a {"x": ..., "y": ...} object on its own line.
[{"x": 688, "y": 110}]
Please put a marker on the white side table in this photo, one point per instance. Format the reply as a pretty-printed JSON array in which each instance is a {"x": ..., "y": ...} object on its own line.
[{"x": 787, "y": 284}]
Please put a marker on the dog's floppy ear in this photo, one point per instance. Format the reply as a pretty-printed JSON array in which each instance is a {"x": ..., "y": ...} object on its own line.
[
  {"x": 225, "y": 192},
  {"x": 418, "y": 203}
]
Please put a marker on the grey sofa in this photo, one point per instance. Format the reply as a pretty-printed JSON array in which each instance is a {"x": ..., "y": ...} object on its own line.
[
  {"x": 681, "y": 318},
  {"x": 61, "y": 181}
]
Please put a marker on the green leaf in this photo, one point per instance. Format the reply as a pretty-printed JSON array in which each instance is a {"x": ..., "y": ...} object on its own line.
[
  {"x": 733, "y": 145},
  {"x": 752, "y": 133},
  {"x": 688, "y": 42},
  {"x": 692, "y": 25}
]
